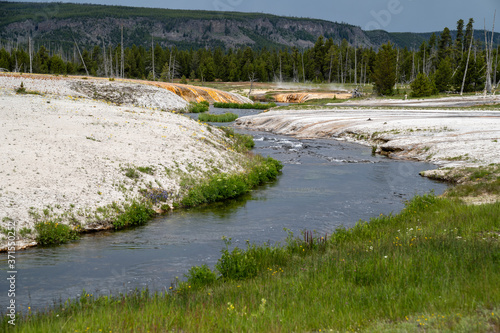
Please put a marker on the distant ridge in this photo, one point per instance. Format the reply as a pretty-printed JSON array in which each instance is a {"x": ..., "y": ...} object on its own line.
[{"x": 90, "y": 25}]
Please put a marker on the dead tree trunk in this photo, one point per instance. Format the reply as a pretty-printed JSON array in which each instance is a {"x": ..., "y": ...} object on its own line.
[
  {"x": 153, "y": 57},
  {"x": 31, "y": 55},
  {"x": 467, "y": 64},
  {"x": 122, "y": 72},
  {"x": 251, "y": 77},
  {"x": 489, "y": 62},
  {"x": 81, "y": 57}
]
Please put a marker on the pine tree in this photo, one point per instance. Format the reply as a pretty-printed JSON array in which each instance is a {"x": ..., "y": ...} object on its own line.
[
  {"x": 442, "y": 76},
  {"x": 422, "y": 86},
  {"x": 384, "y": 74}
]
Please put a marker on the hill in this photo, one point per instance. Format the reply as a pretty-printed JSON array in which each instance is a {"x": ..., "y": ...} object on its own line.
[
  {"x": 59, "y": 24},
  {"x": 92, "y": 24}
]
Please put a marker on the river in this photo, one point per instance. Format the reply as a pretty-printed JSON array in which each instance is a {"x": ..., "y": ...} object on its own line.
[{"x": 325, "y": 184}]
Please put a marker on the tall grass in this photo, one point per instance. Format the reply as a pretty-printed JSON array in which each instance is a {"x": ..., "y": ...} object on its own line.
[
  {"x": 241, "y": 142},
  {"x": 226, "y": 186},
  {"x": 200, "y": 107},
  {"x": 256, "y": 106},
  {"x": 218, "y": 118},
  {"x": 433, "y": 267}
]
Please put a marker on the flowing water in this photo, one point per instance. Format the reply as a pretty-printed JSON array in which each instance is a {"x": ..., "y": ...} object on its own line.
[{"x": 325, "y": 184}]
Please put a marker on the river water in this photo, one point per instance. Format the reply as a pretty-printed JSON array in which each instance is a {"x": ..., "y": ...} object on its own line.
[{"x": 325, "y": 184}]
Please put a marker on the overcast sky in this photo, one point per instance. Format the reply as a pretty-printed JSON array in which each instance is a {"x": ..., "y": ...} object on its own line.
[{"x": 390, "y": 15}]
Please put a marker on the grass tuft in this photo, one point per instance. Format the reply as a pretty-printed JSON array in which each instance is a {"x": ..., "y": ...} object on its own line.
[
  {"x": 198, "y": 107},
  {"x": 54, "y": 233},
  {"x": 256, "y": 106},
  {"x": 218, "y": 118}
]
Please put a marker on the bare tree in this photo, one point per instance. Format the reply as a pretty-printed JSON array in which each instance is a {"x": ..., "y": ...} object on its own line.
[
  {"x": 31, "y": 54},
  {"x": 122, "y": 72},
  {"x": 467, "y": 64},
  {"x": 251, "y": 77},
  {"x": 489, "y": 60},
  {"x": 83, "y": 61},
  {"x": 153, "y": 57},
  {"x": 331, "y": 63}
]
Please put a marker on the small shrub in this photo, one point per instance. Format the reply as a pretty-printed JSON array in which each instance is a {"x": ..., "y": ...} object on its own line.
[
  {"x": 218, "y": 118},
  {"x": 131, "y": 173},
  {"x": 21, "y": 89},
  {"x": 200, "y": 276},
  {"x": 53, "y": 233},
  {"x": 165, "y": 208},
  {"x": 111, "y": 79},
  {"x": 237, "y": 264},
  {"x": 137, "y": 213},
  {"x": 149, "y": 170},
  {"x": 198, "y": 107},
  {"x": 242, "y": 142},
  {"x": 25, "y": 231}
]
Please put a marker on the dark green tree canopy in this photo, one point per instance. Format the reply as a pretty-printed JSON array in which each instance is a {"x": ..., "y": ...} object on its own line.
[{"x": 384, "y": 75}]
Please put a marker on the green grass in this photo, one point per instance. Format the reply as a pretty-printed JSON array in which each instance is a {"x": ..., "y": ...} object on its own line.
[
  {"x": 218, "y": 118},
  {"x": 226, "y": 186},
  {"x": 241, "y": 142},
  {"x": 433, "y": 267},
  {"x": 134, "y": 214},
  {"x": 22, "y": 91},
  {"x": 54, "y": 233},
  {"x": 257, "y": 106},
  {"x": 198, "y": 107}
]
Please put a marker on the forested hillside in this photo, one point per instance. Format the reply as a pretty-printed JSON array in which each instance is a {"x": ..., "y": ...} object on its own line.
[
  {"x": 63, "y": 39},
  {"x": 57, "y": 25}
]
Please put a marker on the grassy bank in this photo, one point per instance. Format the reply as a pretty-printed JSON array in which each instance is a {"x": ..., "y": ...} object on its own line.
[
  {"x": 218, "y": 118},
  {"x": 208, "y": 187},
  {"x": 434, "y": 266},
  {"x": 226, "y": 186},
  {"x": 256, "y": 106}
]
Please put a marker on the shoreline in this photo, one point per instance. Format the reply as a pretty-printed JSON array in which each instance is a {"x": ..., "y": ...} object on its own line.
[
  {"x": 78, "y": 161},
  {"x": 447, "y": 138}
]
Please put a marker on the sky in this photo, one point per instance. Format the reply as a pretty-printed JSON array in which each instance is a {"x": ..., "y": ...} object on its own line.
[{"x": 390, "y": 15}]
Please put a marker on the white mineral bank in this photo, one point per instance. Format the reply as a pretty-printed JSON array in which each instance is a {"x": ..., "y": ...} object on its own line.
[{"x": 68, "y": 154}]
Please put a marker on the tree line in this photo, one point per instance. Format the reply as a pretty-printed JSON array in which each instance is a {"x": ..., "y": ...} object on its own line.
[{"x": 441, "y": 64}]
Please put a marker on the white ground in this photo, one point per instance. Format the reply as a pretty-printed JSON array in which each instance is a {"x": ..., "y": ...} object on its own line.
[
  {"x": 68, "y": 155},
  {"x": 448, "y": 138},
  {"x": 115, "y": 91}
]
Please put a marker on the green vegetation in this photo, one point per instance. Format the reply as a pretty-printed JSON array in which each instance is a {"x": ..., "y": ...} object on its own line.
[
  {"x": 433, "y": 267},
  {"x": 225, "y": 186},
  {"x": 241, "y": 142},
  {"x": 218, "y": 118},
  {"x": 441, "y": 58},
  {"x": 256, "y": 106},
  {"x": 134, "y": 214},
  {"x": 131, "y": 173},
  {"x": 148, "y": 169},
  {"x": 384, "y": 74},
  {"x": 198, "y": 107},
  {"x": 474, "y": 182},
  {"x": 422, "y": 86},
  {"x": 54, "y": 233},
  {"x": 22, "y": 91}
]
